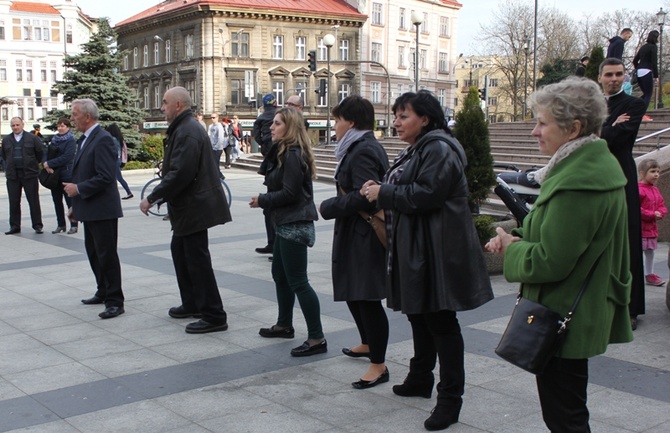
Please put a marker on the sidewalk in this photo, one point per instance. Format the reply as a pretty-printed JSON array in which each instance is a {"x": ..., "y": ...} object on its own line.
[{"x": 63, "y": 370}]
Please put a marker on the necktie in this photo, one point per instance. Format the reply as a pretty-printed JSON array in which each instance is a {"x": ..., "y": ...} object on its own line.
[{"x": 80, "y": 141}]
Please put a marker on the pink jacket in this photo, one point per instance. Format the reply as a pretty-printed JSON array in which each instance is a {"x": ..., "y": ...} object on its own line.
[{"x": 651, "y": 201}]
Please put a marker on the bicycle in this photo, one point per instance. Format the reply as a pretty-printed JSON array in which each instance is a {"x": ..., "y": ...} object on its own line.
[{"x": 160, "y": 209}]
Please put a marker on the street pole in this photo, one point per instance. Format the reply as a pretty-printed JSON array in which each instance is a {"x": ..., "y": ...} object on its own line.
[
  {"x": 535, "y": 48},
  {"x": 661, "y": 21},
  {"x": 417, "y": 20},
  {"x": 526, "y": 43},
  {"x": 328, "y": 41}
]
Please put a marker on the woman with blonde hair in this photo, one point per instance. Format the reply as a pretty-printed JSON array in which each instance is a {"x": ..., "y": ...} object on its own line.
[{"x": 290, "y": 201}]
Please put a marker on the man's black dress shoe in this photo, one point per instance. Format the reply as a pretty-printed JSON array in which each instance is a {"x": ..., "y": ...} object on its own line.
[
  {"x": 364, "y": 384},
  {"x": 274, "y": 332},
  {"x": 181, "y": 313},
  {"x": 265, "y": 250},
  {"x": 202, "y": 327},
  {"x": 39, "y": 230},
  {"x": 13, "y": 231},
  {"x": 92, "y": 301},
  {"x": 353, "y": 354},
  {"x": 111, "y": 312},
  {"x": 306, "y": 350}
]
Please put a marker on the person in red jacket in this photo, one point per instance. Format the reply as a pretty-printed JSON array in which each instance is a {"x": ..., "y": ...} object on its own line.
[{"x": 653, "y": 209}]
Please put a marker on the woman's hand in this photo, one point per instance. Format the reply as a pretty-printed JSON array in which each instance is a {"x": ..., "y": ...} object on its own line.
[
  {"x": 500, "y": 243},
  {"x": 370, "y": 190},
  {"x": 254, "y": 201}
]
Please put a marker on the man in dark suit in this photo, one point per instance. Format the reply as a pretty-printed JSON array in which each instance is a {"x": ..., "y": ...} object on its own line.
[
  {"x": 22, "y": 153},
  {"x": 96, "y": 202},
  {"x": 194, "y": 194},
  {"x": 620, "y": 131}
]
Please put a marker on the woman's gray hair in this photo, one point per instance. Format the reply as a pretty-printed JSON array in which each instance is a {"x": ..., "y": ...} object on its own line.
[
  {"x": 87, "y": 106},
  {"x": 572, "y": 99}
]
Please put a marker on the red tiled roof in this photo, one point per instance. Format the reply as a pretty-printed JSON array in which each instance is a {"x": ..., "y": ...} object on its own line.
[
  {"x": 329, "y": 7},
  {"x": 451, "y": 3},
  {"x": 37, "y": 8}
]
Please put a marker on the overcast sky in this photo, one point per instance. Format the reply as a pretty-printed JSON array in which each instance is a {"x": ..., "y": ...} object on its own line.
[{"x": 473, "y": 13}]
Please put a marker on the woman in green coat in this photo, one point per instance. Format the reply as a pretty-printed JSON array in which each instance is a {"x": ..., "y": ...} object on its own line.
[{"x": 579, "y": 216}]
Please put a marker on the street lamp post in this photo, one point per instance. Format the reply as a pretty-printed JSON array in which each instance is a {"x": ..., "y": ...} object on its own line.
[
  {"x": 417, "y": 20},
  {"x": 328, "y": 41},
  {"x": 526, "y": 45},
  {"x": 661, "y": 21}
]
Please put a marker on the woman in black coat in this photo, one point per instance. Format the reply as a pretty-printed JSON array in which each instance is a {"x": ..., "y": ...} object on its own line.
[
  {"x": 645, "y": 63},
  {"x": 290, "y": 201},
  {"x": 355, "y": 244},
  {"x": 60, "y": 156},
  {"x": 435, "y": 263}
]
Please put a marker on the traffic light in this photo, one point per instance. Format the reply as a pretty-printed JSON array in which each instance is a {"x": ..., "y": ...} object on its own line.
[
  {"x": 311, "y": 60},
  {"x": 38, "y": 97},
  {"x": 322, "y": 88},
  {"x": 482, "y": 94}
]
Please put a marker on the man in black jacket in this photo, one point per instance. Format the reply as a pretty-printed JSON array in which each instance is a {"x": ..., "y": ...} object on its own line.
[
  {"x": 615, "y": 48},
  {"x": 22, "y": 153},
  {"x": 261, "y": 134},
  {"x": 196, "y": 202}
]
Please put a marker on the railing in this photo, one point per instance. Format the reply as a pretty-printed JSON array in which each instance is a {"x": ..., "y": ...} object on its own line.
[{"x": 654, "y": 134}]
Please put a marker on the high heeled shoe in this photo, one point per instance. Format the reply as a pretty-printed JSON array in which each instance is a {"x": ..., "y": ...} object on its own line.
[
  {"x": 72, "y": 230},
  {"x": 443, "y": 415},
  {"x": 58, "y": 230},
  {"x": 408, "y": 389},
  {"x": 365, "y": 384}
]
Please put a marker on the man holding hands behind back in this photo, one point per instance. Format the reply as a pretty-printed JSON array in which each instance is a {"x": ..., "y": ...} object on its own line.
[{"x": 196, "y": 202}]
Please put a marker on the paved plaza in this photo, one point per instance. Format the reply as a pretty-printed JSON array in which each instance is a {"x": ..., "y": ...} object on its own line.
[{"x": 63, "y": 370}]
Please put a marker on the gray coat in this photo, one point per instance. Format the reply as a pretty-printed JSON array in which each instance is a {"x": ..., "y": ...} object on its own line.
[
  {"x": 438, "y": 262},
  {"x": 358, "y": 256}
]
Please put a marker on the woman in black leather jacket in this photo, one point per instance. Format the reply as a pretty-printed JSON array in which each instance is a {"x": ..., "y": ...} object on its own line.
[
  {"x": 435, "y": 263},
  {"x": 290, "y": 200}
]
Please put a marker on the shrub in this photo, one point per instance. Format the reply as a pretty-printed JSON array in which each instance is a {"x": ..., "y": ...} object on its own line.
[
  {"x": 484, "y": 226},
  {"x": 136, "y": 165},
  {"x": 153, "y": 148}
]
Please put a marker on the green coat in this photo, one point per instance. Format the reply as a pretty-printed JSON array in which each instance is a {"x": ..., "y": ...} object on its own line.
[{"x": 580, "y": 213}]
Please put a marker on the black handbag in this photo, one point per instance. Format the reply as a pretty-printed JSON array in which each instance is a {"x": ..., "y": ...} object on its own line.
[
  {"x": 48, "y": 180},
  {"x": 535, "y": 333}
]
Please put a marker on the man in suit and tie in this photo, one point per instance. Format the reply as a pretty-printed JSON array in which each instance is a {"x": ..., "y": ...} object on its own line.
[
  {"x": 96, "y": 202},
  {"x": 22, "y": 153}
]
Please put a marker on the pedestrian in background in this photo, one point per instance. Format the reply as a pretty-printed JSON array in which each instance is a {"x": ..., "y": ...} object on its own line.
[
  {"x": 120, "y": 144},
  {"x": 617, "y": 43},
  {"x": 653, "y": 209},
  {"x": 645, "y": 63},
  {"x": 60, "y": 157}
]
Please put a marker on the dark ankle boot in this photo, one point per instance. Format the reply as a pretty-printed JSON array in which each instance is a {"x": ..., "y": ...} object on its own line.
[
  {"x": 409, "y": 389},
  {"x": 443, "y": 415}
]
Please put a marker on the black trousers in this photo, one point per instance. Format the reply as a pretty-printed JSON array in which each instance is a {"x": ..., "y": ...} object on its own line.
[
  {"x": 31, "y": 187},
  {"x": 373, "y": 327},
  {"x": 100, "y": 240},
  {"x": 58, "y": 194},
  {"x": 562, "y": 391},
  {"x": 227, "y": 151},
  {"x": 436, "y": 335},
  {"x": 195, "y": 276},
  {"x": 269, "y": 227}
]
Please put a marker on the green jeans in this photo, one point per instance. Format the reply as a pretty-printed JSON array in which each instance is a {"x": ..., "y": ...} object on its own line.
[{"x": 289, "y": 272}]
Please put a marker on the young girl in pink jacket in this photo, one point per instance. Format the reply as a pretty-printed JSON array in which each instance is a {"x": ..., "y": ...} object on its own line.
[{"x": 653, "y": 209}]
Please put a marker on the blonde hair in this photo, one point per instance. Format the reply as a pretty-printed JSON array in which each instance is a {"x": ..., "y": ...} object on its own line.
[{"x": 295, "y": 134}]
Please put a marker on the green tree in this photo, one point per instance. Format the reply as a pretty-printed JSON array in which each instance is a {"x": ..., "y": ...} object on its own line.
[
  {"x": 595, "y": 59},
  {"x": 94, "y": 74},
  {"x": 473, "y": 133},
  {"x": 555, "y": 71}
]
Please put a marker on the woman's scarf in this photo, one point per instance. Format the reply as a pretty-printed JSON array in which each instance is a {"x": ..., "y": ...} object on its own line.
[
  {"x": 563, "y": 152},
  {"x": 58, "y": 138},
  {"x": 349, "y": 138}
]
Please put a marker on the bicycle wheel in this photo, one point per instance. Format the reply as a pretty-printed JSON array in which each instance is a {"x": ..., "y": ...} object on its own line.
[
  {"x": 157, "y": 210},
  {"x": 226, "y": 191}
]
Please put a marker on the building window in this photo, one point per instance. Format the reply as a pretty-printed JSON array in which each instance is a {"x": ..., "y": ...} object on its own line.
[
  {"x": 21, "y": 113},
  {"x": 376, "y": 53},
  {"x": 402, "y": 18},
  {"x": 2, "y": 30},
  {"x": 3, "y": 70},
  {"x": 375, "y": 92},
  {"x": 300, "y": 90},
  {"x": 235, "y": 92},
  {"x": 424, "y": 24},
  {"x": 189, "y": 46},
  {"x": 344, "y": 49},
  {"x": 322, "y": 102},
  {"x": 422, "y": 59},
  {"x": 27, "y": 30},
  {"x": 68, "y": 34},
  {"x": 146, "y": 98},
  {"x": 300, "y": 45},
  {"x": 41, "y": 30},
  {"x": 401, "y": 56},
  {"x": 377, "y": 14},
  {"x": 43, "y": 75},
  {"x": 444, "y": 26},
  {"x": 442, "y": 96},
  {"x": 168, "y": 52},
  {"x": 240, "y": 45},
  {"x": 343, "y": 91},
  {"x": 31, "y": 113},
  {"x": 145, "y": 57},
  {"x": 277, "y": 47},
  {"x": 493, "y": 82},
  {"x": 19, "y": 74},
  {"x": 278, "y": 90},
  {"x": 412, "y": 56},
  {"x": 492, "y": 101},
  {"x": 157, "y": 97},
  {"x": 136, "y": 59},
  {"x": 157, "y": 55},
  {"x": 443, "y": 63},
  {"x": 190, "y": 88},
  {"x": 52, "y": 73},
  {"x": 5, "y": 113},
  {"x": 29, "y": 75},
  {"x": 321, "y": 50},
  {"x": 125, "y": 62}
]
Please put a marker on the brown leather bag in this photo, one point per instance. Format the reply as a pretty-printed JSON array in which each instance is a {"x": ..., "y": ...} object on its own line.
[{"x": 377, "y": 221}]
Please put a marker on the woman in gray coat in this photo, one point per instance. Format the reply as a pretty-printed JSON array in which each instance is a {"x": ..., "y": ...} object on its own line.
[
  {"x": 355, "y": 244},
  {"x": 435, "y": 263}
]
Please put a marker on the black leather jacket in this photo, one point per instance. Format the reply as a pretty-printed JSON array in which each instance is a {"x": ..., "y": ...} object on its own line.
[{"x": 290, "y": 197}]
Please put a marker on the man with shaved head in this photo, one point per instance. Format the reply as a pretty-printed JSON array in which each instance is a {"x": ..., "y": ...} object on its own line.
[{"x": 196, "y": 202}]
